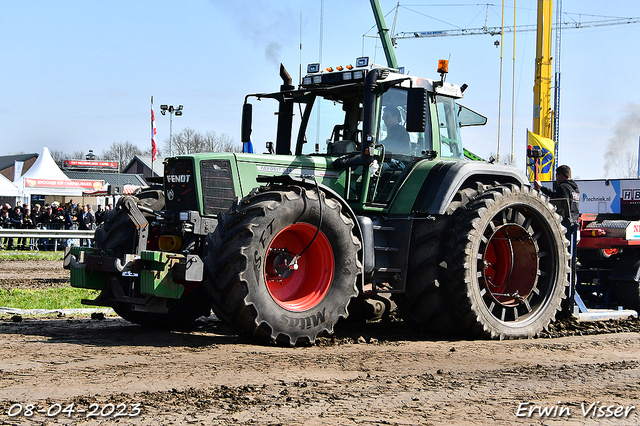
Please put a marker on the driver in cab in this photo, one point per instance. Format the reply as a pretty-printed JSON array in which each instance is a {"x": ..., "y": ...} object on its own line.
[{"x": 397, "y": 140}]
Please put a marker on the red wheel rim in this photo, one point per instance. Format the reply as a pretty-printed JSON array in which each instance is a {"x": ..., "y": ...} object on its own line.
[
  {"x": 308, "y": 284},
  {"x": 510, "y": 265}
]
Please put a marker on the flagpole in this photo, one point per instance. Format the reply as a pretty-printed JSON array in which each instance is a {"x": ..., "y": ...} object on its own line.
[
  {"x": 152, "y": 136},
  {"x": 153, "y": 139}
]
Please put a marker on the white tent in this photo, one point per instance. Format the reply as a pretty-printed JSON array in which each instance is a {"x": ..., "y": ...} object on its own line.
[
  {"x": 45, "y": 169},
  {"x": 7, "y": 188}
]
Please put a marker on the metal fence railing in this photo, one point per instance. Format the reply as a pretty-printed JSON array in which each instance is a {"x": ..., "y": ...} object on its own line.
[{"x": 46, "y": 239}]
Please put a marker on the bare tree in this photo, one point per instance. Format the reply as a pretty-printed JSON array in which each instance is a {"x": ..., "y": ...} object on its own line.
[
  {"x": 122, "y": 152},
  {"x": 222, "y": 143},
  {"x": 627, "y": 165},
  {"x": 58, "y": 156},
  {"x": 185, "y": 142},
  {"x": 228, "y": 144},
  {"x": 189, "y": 141}
]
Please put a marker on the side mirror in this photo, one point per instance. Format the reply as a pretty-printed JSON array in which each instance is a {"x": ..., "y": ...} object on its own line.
[
  {"x": 417, "y": 109},
  {"x": 247, "y": 117}
]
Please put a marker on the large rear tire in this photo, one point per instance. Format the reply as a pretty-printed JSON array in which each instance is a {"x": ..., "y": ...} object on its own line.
[
  {"x": 117, "y": 234},
  {"x": 508, "y": 262},
  {"x": 250, "y": 277},
  {"x": 425, "y": 304}
]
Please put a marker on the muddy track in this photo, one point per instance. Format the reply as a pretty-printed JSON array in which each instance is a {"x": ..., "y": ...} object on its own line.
[
  {"x": 367, "y": 374},
  {"x": 27, "y": 274}
]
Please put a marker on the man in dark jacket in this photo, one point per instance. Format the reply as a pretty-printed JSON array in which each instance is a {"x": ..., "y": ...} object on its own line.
[
  {"x": 565, "y": 188},
  {"x": 86, "y": 222},
  {"x": 397, "y": 140},
  {"x": 99, "y": 215},
  {"x": 15, "y": 217},
  {"x": 68, "y": 221}
]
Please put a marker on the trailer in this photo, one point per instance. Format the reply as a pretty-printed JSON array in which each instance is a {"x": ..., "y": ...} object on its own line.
[{"x": 608, "y": 249}]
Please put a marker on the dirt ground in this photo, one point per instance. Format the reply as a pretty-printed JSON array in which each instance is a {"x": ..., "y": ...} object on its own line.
[{"x": 107, "y": 371}]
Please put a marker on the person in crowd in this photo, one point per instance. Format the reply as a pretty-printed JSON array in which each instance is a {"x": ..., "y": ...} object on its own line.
[
  {"x": 69, "y": 219},
  {"x": 36, "y": 212},
  {"x": 99, "y": 215},
  {"x": 57, "y": 212},
  {"x": 86, "y": 222},
  {"x": 46, "y": 217},
  {"x": 77, "y": 212},
  {"x": 5, "y": 223},
  {"x": 27, "y": 223},
  {"x": 44, "y": 221},
  {"x": 16, "y": 223},
  {"x": 90, "y": 211}
]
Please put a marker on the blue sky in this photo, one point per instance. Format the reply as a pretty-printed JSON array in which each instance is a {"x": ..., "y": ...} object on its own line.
[{"x": 78, "y": 75}]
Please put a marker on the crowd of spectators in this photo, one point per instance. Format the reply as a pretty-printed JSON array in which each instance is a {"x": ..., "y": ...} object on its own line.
[{"x": 49, "y": 216}]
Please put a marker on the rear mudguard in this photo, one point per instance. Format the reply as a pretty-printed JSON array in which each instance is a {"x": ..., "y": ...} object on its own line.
[{"x": 431, "y": 185}]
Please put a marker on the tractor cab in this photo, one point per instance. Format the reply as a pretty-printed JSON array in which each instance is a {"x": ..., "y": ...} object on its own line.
[{"x": 369, "y": 120}]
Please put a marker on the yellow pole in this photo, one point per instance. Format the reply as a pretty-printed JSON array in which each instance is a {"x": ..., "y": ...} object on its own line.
[
  {"x": 542, "y": 88},
  {"x": 500, "y": 89}
]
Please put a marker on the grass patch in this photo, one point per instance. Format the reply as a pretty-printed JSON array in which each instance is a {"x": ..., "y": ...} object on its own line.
[
  {"x": 54, "y": 298},
  {"x": 31, "y": 255}
]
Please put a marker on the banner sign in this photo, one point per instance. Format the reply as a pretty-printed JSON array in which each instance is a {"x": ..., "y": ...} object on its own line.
[
  {"x": 66, "y": 184},
  {"x": 17, "y": 170},
  {"x": 90, "y": 163}
]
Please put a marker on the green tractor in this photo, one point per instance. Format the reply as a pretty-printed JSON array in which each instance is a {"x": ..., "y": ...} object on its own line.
[{"x": 281, "y": 245}]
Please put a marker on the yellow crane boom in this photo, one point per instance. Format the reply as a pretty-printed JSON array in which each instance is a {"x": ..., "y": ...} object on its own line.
[{"x": 542, "y": 113}]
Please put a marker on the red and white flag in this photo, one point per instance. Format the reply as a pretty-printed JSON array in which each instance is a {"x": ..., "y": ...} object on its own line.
[{"x": 154, "y": 147}]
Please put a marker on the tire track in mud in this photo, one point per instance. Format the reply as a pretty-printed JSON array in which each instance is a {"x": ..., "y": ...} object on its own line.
[{"x": 366, "y": 374}]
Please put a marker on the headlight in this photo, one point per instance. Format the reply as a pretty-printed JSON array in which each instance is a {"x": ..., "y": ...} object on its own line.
[
  {"x": 317, "y": 79},
  {"x": 346, "y": 76},
  {"x": 183, "y": 216}
]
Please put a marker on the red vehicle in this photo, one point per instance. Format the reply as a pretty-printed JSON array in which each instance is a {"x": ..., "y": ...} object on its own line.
[{"x": 608, "y": 272}]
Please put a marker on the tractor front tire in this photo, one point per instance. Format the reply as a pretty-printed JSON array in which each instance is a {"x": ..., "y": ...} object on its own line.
[
  {"x": 508, "y": 263},
  {"x": 257, "y": 286}
]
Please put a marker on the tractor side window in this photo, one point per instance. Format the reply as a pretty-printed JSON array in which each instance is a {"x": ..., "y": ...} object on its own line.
[
  {"x": 391, "y": 126},
  {"x": 450, "y": 144}
]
